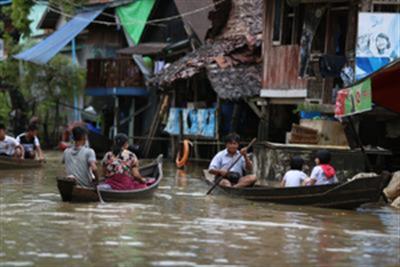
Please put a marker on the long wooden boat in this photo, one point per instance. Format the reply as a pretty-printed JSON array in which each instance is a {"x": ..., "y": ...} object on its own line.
[
  {"x": 8, "y": 163},
  {"x": 347, "y": 195},
  {"x": 70, "y": 191}
]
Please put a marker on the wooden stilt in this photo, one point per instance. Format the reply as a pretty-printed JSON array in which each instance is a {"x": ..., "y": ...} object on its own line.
[{"x": 359, "y": 143}]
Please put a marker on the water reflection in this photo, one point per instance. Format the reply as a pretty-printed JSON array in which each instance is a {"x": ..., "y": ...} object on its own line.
[{"x": 180, "y": 226}]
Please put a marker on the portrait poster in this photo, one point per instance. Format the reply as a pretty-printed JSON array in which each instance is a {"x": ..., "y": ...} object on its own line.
[{"x": 378, "y": 42}]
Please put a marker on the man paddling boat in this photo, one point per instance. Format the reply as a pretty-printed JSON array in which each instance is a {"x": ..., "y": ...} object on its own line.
[
  {"x": 235, "y": 176},
  {"x": 80, "y": 161}
]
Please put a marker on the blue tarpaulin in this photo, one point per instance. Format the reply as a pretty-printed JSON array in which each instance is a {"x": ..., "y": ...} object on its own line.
[
  {"x": 49, "y": 47},
  {"x": 196, "y": 122},
  {"x": 5, "y": 2}
]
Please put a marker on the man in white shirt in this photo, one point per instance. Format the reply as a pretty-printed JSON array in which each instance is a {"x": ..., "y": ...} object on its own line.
[
  {"x": 9, "y": 147},
  {"x": 223, "y": 159}
]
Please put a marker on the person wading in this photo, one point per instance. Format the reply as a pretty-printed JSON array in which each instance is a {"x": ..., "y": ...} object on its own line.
[
  {"x": 235, "y": 177},
  {"x": 80, "y": 161}
]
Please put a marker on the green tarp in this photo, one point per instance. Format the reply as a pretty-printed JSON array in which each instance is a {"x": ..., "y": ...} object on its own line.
[{"x": 134, "y": 16}]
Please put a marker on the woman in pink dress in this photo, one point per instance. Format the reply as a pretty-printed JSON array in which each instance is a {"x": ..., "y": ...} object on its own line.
[{"x": 121, "y": 167}]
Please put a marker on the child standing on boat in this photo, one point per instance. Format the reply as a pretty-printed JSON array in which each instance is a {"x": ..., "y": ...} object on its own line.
[
  {"x": 295, "y": 176},
  {"x": 323, "y": 172}
]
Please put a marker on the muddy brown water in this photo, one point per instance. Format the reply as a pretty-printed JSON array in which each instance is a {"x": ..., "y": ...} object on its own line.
[{"x": 182, "y": 227}]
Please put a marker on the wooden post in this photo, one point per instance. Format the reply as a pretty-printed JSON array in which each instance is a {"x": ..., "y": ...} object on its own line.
[
  {"x": 132, "y": 121},
  {"x": 263, "y": 127},
  {"x": 359, "y": 143},
  {"x": 217, "y": 123},
  {"x": 116, "y": 115},
  {"x": 153, "y": 128},
  {"x": 235, "y": 117},
  {"x": 195, "y": 98},
  {"x": 174, "y": 140}
]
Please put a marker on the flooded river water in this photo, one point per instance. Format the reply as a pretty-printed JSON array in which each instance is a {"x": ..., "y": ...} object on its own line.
[{"x": 182, "y": 227}]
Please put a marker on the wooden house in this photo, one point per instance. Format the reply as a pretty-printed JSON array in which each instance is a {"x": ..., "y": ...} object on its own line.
[
  {"x": 222, "y": 74},
  {"x": 307, "y": 45}
]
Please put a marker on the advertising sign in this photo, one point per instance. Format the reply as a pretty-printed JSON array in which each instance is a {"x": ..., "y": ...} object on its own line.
[
  {"x": 354, "y": 100},
  {"x": 378, "y": 42}
]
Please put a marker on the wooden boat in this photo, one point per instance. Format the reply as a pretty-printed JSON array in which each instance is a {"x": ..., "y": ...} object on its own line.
[
  {"x": 347, "y": 195},
  {"x": 8, "y": 163},
  {"x": 70, "y": 191}
]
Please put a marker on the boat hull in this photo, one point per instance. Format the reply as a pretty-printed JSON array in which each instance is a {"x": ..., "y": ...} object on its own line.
[
  {"x": 7, "y": 163},
  {"x": 348, "y": 195},
  {"x": 71, "y": 192}
]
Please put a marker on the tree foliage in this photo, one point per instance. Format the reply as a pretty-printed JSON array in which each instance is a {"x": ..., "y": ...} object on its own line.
[
  {"x": 41, "y": 87},
  {"x": 68, "y": 6}
]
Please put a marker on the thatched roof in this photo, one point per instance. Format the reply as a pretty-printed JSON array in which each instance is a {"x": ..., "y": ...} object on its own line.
[{"x": 229, "y": 59}]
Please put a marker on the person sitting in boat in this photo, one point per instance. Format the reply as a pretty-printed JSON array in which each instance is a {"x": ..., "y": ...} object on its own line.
[
  {"x": 121, "y": 167},
  {"x": 323, "y": 172},
  {"x": 223, "y": 159},
  {"x": 80, "y": 161},
  {"x": 295, "y": 176},
  {"x": 9, "y": 147},
  {"x": 30, "y": 142}
]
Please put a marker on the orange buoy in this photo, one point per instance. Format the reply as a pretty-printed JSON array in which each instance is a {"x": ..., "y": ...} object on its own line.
[{"x": 181, "y": 161}]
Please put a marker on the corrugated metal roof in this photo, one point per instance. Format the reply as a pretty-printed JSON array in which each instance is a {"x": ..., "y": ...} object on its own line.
[
  {"x": 49, "y": 47},
  {"x": 198, "y": 21}
]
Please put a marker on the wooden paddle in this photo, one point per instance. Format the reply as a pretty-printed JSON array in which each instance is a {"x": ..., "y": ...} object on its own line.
[{"x": 218, "y": 179}]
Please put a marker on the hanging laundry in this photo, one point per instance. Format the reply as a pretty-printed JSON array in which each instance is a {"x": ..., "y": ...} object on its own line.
[
  {"x": 206, "y": 119},
  {"x": 190, "y": 122},
  {"x": 172, "y": 126}
]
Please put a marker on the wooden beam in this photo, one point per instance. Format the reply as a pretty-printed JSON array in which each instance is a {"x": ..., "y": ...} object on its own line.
[{"x": 254, "y": 107}]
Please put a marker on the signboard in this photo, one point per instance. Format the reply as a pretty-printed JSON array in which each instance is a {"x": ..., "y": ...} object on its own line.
[
  {"x": 378, "y": 42},
  {"x": 354, "y": 100}
]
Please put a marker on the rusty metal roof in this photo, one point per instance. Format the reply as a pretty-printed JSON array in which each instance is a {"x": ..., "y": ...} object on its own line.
[{"x": 144, "y": 49}]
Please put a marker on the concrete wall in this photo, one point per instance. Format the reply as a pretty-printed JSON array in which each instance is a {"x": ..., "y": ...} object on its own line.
[{"x": 272, "y": 161}]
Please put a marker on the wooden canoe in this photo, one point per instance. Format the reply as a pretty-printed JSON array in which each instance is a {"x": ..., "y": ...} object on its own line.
[
  {"x": 72, "y": 192},
  {"x": 348, "y": 195},
  {"x": 8, "y": 163}
]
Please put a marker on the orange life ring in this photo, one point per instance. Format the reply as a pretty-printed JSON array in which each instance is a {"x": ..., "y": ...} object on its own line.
[{"x": 181, "y": 161}]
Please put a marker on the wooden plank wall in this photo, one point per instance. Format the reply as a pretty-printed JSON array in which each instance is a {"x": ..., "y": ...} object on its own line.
[{"x": 281, "y": 63}]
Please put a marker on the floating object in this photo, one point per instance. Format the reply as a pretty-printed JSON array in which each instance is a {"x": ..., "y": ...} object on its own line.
[{"x": 181, "y": 161}]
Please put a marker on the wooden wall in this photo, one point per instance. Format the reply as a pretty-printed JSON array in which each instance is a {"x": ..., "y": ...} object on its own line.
[{"x": 281, "y": 63}]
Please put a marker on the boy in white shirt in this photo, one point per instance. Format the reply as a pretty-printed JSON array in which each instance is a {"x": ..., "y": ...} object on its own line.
[{"x": 295, "y": 176}]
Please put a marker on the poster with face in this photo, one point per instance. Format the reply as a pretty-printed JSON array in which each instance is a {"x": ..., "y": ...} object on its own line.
[{"x": 378, "y": 42}]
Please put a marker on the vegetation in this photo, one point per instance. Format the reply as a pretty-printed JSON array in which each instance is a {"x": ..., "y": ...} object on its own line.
[{"x": 27, "y": 89}]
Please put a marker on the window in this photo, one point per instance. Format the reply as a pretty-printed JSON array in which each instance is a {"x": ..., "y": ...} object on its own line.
[{"x": 287, "y": 24}]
